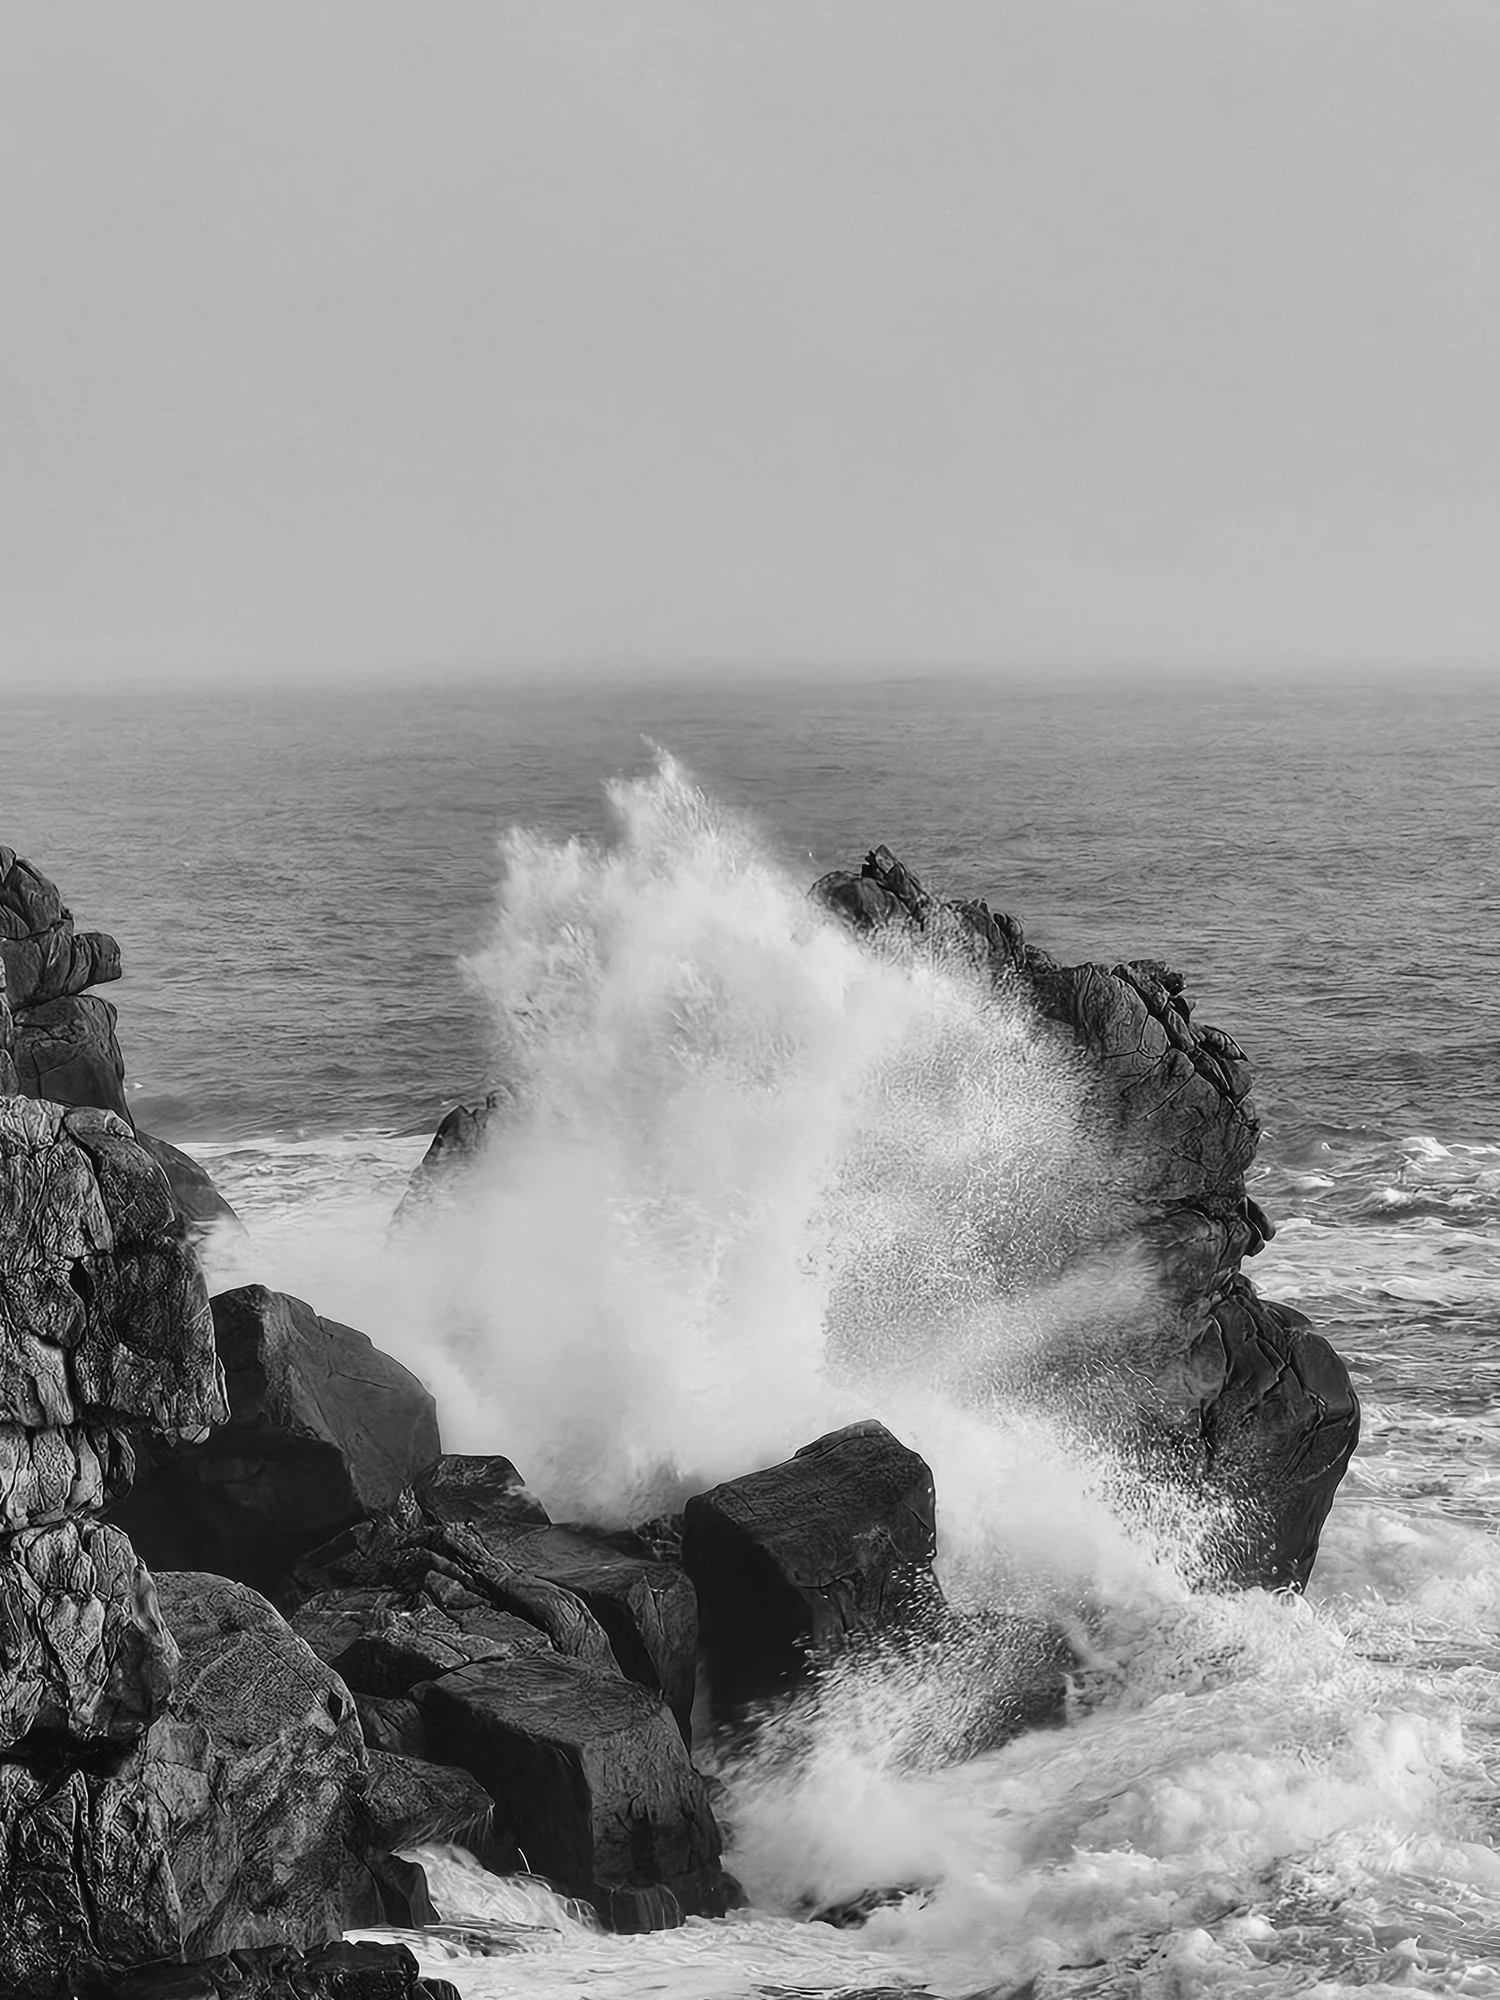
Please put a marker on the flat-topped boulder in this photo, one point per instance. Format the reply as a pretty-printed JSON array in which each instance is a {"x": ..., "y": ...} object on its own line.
[
  {"x": 834, "y": 1544},
  {"x": 590, "y": 1778}
]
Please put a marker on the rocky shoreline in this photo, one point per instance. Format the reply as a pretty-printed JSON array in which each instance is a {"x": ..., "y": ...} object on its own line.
[{"x": 260, "y": 1634}]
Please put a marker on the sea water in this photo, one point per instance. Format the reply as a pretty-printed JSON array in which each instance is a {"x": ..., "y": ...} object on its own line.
[{"x": 754, "y": 1182}]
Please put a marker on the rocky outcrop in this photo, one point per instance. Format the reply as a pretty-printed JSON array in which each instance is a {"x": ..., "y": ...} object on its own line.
[
  {"x": 457, "y": 1147},
  {"x": 323, "y": 1431},
  {"x": 833, "y": 1545},
  {"x": 198, "y": 1201},
  {"x": 1261, "y": 1409},
  {"x": 64, "y": 1037}
]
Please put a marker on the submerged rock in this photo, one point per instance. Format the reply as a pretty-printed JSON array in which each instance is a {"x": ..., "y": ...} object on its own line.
[{"x": 835, "y": 1544}]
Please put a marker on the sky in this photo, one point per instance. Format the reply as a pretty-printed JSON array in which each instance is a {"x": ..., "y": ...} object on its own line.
[{"x": 351, "y": 337}]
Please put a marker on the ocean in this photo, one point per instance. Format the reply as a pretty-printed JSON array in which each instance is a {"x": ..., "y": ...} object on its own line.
[{"x": 342, "y": 913}]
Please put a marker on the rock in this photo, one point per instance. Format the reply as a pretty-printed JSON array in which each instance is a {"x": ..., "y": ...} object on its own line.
[
  {"x": 388, "y": 1555},
  {"x": 225, "y": 1826},
  {"x": 339, "y": 1971},
  {"x": 383, "y": 1643},
  {"x": 485, "y": 1493},
  {"x": 259, "y": 1725},
  {"x": 104, "y": 1319},
  {"x": 194, "y": 1195},
  {"x": 409, "y": 1801},
  {"x": 1280, "y": 1425},
  {"x": 324, "y": 1430},
  {"x": 85, "y": 1657},
  {"x": 834, "y": 1544},
  {"x": 457, "y": 1147},
  {"x": 590, "y": 1778},
  {"x": 648, "y": 1609},
  {"x": 393, "y": 1724},
  {"x": 1228, "y": 1393},
  {"x": 63, "y": 1044}
]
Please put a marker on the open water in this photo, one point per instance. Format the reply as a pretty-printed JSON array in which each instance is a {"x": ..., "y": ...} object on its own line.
[{"x": 744, "y": 1204}]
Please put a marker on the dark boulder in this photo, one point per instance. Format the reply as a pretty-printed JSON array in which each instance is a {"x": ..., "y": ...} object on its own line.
[
  {"x": 392, "y": 1723},
  {"x": 1221, "y": 1388},
  {"x": 383, "y": 1642},
  {"x": 458, "y": 1146},
  {"x": 648, "y": 1609},
  {"x": 324, "y": 1430},
  {"x": 484, "y": 1493},
  {"x": 591, "y": 1780},
  {"x": 339, "y": 1971},
  {"x": 1280, "y": 1423},
  {"x": 834, "y": 1544},
  {"x": 197, "y": 1200},
  {"x": 444, "y": 1561}
]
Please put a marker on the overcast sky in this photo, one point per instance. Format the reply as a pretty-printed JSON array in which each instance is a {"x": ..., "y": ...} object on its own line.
[{"x": 350, "y": 335}]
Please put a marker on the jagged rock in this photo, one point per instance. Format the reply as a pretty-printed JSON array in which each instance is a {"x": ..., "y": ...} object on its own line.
[
  {"x": 103, "y": 1315},
  {"x": 197, "y": 1200},
  {"x": 64, "y": 1046},
  {"x": 383, "y": 1642},
  {"x": 393, "y": 1724},
  {"x": 256, "y": 1766},
  {"x": 590, "y": 1778},
  {"x": 648, "y": 1609},
  {"x": 10, "y": 1083},
  {"x": 61, "y": 1474},
  {"x": 85, "y": 1657},
  {"x": 486, "y": 1493},
  {"x": 1280, "y": 1425},
  {"x": 324, "y": 1430},
  {"x": 835, "y": 1543},
  {"x": 225, "y": 1826},
  {"x": 388, "y": 1554},
  {"x": 1242, "y": 1395},
  {"x": 340, "y": 1971},
  {"x": 45, "y": 957},
  {"x": 457, "y": 1147},
  {"x": 408, "y": 1801}
]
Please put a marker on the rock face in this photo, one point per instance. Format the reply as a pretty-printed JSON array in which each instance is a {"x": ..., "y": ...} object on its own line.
[
  {"x": 198, "y": 1201},
  {"x": 834, "y": 1544},
  {"x": 323, "y": 1430},
  {"x": 590, "y": 1779},
  {"x": 331, "y": 1972},
  {"x": 1269, "y": 1416},
  {"x": 64, "y": 1037},
  {"x": 457, "y": 1147}
]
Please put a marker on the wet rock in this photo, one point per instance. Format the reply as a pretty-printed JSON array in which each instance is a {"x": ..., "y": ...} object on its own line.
[
  {"x": 457, "y": 1147},
  {"x": 1280, "y": 1423},
  {"x": 324, "y": 1429},
  {"x": 590, "y": 1778},
  {"x": 1230, "y": 1391},
  {"x": 338, "y": 1971},
  {"x": 487, "y": 1494},
  {"x": 835, "y": 1543},
  {"x": 383, "y": 1642},
  {"x": 392, "y": 1724},
  {"x": 648, "y": 1609},
  {"x": 194, "y": 1194},
  {"x": 389, "y": 1554},
  {"x": 409, "y": 1801}
]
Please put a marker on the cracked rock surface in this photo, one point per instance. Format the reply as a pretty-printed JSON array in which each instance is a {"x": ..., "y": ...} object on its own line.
[{"x": 1251, "y": 1401}]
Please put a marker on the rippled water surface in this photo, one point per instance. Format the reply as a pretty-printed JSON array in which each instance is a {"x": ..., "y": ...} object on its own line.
[{"x": 1253, "y": 1795}]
